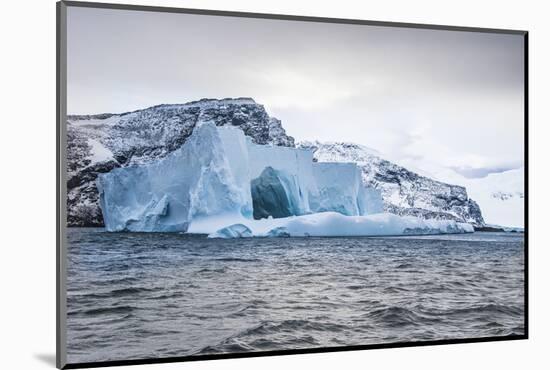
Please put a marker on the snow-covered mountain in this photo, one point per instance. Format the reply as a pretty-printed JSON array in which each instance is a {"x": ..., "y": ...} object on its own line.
[
  {"x": 99, "y": 143},
  {"x": 404, "y": 192},
  {"x": 500, "y": 196}
]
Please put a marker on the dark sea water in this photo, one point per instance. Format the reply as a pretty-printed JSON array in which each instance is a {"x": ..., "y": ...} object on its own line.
[{"x": 134, "y": 295}]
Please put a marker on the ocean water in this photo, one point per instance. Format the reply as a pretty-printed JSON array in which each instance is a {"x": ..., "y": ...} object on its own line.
[{"x": 133, "y": 295}]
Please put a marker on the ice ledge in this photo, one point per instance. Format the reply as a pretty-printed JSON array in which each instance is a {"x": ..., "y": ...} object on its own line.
[{"x": 328, "y": 224}]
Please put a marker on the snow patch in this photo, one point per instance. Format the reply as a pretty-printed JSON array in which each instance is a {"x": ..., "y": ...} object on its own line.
[{"x": 99, "y": 151}]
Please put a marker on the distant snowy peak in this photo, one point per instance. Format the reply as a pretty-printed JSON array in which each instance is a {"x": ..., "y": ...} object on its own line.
[
  {"x": 404, "y": 192},
  {"x": 101, "y": 142},
  {"x": 501, "y": 196}
]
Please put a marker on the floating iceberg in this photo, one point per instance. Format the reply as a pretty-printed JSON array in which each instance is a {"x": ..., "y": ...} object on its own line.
[{"x": 222, "y": 184}]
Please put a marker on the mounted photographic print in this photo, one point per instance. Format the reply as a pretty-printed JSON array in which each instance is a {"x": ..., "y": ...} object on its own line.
[{"x": 237, "y": 184}]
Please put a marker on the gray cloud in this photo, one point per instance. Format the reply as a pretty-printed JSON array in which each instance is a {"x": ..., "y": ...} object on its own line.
[{"x": 452, "y": 98}]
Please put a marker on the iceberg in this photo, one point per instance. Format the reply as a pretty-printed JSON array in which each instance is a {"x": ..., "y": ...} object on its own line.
[{"x": 222, "y": 184}]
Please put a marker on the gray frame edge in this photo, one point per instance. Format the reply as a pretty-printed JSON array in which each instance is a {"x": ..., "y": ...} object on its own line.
[
  {"x": 61, "y": 185},
  {"x": 224, "y": 13}
]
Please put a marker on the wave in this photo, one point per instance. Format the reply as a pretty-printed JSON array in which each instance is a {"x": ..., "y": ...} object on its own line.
[
  {"x": 476, "y": 311},
  {"x": 130, "y": 291},
  {"x": 220, "y": 270},
  {"x": 236, "y": 259},
  {"x": 106, "y": 310},
  {"x": 397, "y": 316},
  {"x": 268, "y": 335},
  {"x": 115, "y": 293},
  {"x": 499, "y": 324},
  {"x": 289, "y": 326}
]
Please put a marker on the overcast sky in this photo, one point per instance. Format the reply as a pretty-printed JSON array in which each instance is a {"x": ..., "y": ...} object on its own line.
[{"x": 420, "y": 97}]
